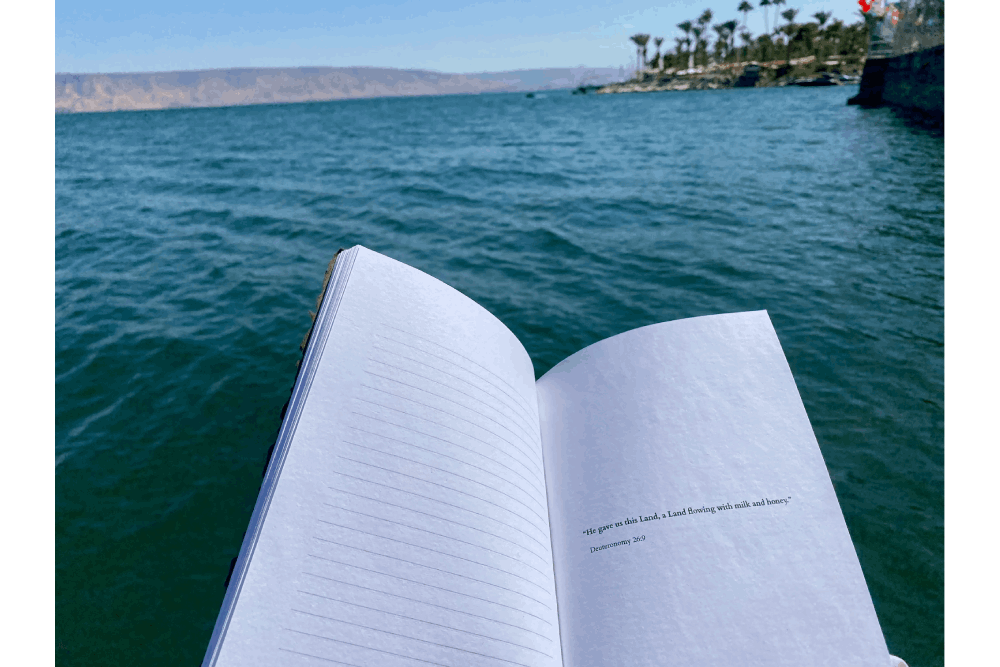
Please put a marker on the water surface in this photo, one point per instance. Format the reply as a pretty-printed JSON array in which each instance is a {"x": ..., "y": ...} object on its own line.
[{"x": 191, "y": 244}]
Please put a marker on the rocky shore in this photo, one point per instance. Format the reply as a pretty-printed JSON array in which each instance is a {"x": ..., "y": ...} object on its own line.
[{"x": 801, "y": 71}]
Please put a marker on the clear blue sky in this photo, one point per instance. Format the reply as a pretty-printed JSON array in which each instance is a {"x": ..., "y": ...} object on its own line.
[{"x": 444, "y": 35}]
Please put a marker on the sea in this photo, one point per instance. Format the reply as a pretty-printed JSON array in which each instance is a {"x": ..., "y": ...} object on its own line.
[{"x": 191, "y": 246}]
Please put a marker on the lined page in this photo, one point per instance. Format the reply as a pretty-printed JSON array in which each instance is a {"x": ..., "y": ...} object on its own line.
[
  {"x": 693, "y": 519},
  {"x": 409, "y": 524}
]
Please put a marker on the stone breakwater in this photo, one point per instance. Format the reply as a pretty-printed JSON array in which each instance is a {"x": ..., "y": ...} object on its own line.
[{"x": 913, "y": 82}]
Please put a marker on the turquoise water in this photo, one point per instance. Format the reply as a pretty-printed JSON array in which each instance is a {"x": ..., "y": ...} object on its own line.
[{"x": 191, "y": 244}]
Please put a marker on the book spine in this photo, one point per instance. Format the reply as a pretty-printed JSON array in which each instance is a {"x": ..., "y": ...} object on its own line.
[
  {"x": 284, "y": 409},
  {"x": 334, "y": 283}
]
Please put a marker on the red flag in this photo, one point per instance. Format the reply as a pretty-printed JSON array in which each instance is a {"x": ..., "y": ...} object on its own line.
[{"x": 866, "y": 5}]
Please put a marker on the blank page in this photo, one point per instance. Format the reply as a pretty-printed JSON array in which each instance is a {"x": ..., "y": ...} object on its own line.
[
  {"x": 404, "y": 517},
  {"x": 693, "y": 519}
]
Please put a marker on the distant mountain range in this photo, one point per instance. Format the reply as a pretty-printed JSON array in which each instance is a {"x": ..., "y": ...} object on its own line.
[{"x": 248, "y": 85}]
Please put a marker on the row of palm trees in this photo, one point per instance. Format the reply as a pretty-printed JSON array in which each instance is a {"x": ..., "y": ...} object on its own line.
[{"x": 813, "y": 38}]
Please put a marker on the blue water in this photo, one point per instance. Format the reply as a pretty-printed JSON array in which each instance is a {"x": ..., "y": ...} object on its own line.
[{"x": 191, "y": 245}]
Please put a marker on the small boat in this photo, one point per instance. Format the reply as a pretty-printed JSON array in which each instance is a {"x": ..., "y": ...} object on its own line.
[{"x": 824, "y": 79}]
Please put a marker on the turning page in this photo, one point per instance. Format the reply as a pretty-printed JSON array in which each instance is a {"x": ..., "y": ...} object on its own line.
[
  {"x": 403, "y": 519},
  {"x": 693, "y": 519}
]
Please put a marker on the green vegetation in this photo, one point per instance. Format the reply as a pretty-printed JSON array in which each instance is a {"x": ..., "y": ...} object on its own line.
[
  {"x": 823, "y": 39},
  {"x": 831, "y": 43}
]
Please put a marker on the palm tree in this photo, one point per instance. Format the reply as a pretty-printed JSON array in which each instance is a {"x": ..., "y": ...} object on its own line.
[
  {"x": 765, "y": 4},
  {"x": 788, "y": 14},
  {"x": 687, "y": 27},
  {"x": 703, "y": 22},
  {"x": 745, "y": 8},
  {"x": 705, "y": 19},
  {"x": 764, "y": 44},
  {"x": 658, "y": 41},
  {"x": 807, "y": 34},
  {"x": 821, "y": 18},
  {"x": 696, "y": 31},
  {"x": 747, "y": 41},
  {"x": 681, "y": 42},
  {"x": 833, "y": 34},
  {"x": 723, "y": 40},
  {"x": 777, "y": 4},
  {"x": 640, "y": 39},
  {"x": 788, "y": 29},
  {"x": 854, "y": 38},
  {"x": 731, "y": 30}
]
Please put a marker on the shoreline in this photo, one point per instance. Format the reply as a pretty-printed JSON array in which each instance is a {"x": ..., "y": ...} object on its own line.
[{"x": 746, "y": 74}]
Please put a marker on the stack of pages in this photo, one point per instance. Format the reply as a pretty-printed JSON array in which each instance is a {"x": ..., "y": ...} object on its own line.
[{"x": 657, "y": 498}]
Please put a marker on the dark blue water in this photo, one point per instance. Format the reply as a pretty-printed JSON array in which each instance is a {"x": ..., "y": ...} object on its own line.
[{"x": 191, "y": 244}]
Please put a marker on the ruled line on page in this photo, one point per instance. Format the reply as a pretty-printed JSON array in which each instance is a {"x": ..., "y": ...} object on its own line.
[
  {"x": 444, "y": 486},
  {"x": 466, "y": 478},
  {"x": 436, "y": 452},
  {"x": 451, "y": 400},
  {"x": 416, "y": 639},
  {"x": 370, "y": 648},
  {"x": 528, "y": 407},
  {"x": 515, "y": 408},
  {"x": 449, "y": 442},
  {"x": 421, "y": 620},
  {"x": 436, "y": 500},
  {"x": 437, "y": 569},
  {"x": 531, "y": 413},
  {"x": 459, "y": 417},
  {"x": 416, "y": 402},
  {"x": 513, "y": 413},
  {"x": 447, "y": 537},
  {"x": 537, "y": 470},
  {"x": 524, "y": 401},
  {"x": 318, "y": 657},
  {"x": 431, "y": 586},
  {"x": 437, "y": 551},
  {"x": 455, "y": 474},
  {"x": 441, "y": 518},
  {"x": 440, "y": 588}
]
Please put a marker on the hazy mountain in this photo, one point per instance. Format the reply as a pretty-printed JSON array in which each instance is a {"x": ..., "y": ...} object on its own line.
[{"x": 247, "y": 85}]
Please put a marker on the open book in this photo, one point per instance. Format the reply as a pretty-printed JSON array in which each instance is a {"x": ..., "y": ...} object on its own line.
[{"x": 657, "y": 498}]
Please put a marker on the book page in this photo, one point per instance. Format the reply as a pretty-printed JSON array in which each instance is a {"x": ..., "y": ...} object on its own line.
[
  {"x": 404, "y": 520},
  {"x": 693, "y": 518}
]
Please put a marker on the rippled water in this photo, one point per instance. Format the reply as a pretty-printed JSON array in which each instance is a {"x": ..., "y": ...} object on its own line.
[{"x": 191, "y": 244}]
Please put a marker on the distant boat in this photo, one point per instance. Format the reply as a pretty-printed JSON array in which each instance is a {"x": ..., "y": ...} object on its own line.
[
  {"x": 824, "y": 79},
  {"x": 530, "y": 95}
]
